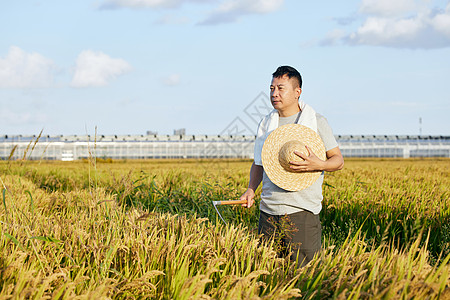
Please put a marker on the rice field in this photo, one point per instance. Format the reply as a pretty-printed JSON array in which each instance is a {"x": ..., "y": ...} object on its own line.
[{"x": 101, "y": 229}]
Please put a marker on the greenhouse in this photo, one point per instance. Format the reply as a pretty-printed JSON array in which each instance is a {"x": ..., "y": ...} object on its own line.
[{"x": 68, "y": 148}]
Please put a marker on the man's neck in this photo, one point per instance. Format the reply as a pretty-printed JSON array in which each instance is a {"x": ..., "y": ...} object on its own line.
[{"x": 290, "y": 112}]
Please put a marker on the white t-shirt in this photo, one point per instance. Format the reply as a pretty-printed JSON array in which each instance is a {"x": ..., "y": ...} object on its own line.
[{"x": 277, "y": 201}]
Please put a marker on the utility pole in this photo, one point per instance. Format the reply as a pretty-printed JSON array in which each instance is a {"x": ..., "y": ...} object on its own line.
[{"x": 420, "y": 125}]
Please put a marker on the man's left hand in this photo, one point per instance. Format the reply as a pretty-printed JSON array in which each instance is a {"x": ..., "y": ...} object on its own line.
[{"x": 310, "y": 162}]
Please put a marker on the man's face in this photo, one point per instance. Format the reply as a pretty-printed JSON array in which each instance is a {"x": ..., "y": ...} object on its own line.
[{"x": 284, "y": 94}]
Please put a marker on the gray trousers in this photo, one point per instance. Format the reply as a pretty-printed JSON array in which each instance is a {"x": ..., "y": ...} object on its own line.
[{"x": 298, "y": 235}]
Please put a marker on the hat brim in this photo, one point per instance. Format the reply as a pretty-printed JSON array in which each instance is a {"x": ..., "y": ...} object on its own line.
[{"x": 288, "y": 180}]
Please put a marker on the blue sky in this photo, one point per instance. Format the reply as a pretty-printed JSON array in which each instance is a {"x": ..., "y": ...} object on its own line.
[{"x": 129, "y": 66}]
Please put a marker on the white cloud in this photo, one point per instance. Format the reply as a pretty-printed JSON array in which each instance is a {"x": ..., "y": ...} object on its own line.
[
  {"x": 94, "y": 69},
  {"x": 230, "y": 10},
  {"x": 332, "y": 37},
  {"x": 384, "y": 31},
  {"x": 226, "y": 11},
  {"x": 10, "y": 117},
  {"x": 250, "y": 6},
  {"x": 172, "y": 80},
  {"x": 387, "y": 7},
  {"x": 20, "y": 69},
  {"x": 394, "y": 26},
  {"x": 146, "y": 3},
  {"x": 441, "y": 21}
]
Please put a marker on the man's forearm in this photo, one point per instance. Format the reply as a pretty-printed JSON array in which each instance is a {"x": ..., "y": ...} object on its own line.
[
  {"x": 256, "y": 175},
  {"x": 333, "y": 163}
]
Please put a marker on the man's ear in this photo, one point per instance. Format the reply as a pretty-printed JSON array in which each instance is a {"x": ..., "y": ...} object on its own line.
[{"x": 298, "y": 90}]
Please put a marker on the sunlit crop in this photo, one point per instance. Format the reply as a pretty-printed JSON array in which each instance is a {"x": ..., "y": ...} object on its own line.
[{"x": 147, "y": 229}]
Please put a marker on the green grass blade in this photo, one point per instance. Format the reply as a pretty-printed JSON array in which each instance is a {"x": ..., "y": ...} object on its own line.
[{"x": 14, "y": 240}]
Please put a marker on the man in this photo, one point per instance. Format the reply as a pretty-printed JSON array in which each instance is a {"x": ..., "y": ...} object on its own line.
[{"x": 300, "y": 208}]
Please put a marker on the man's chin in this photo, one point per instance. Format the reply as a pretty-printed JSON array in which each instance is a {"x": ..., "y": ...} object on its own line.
[{"x": 276, "y": 105}]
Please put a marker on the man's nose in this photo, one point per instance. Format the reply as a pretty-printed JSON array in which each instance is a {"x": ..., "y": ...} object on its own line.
[{"x": 274, "y": 93}]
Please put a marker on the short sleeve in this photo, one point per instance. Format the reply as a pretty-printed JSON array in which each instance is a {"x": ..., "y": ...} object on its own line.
[{"x": 326, "y": 133}]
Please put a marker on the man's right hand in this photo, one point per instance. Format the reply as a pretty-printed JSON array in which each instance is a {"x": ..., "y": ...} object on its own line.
[{"x": 248, "y": 195}]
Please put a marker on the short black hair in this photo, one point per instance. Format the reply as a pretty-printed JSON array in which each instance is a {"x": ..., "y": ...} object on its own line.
[{"x": 289, "y": 72}]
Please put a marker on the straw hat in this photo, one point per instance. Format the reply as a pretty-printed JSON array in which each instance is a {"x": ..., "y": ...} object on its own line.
[{"x": 278, "y": 151}]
